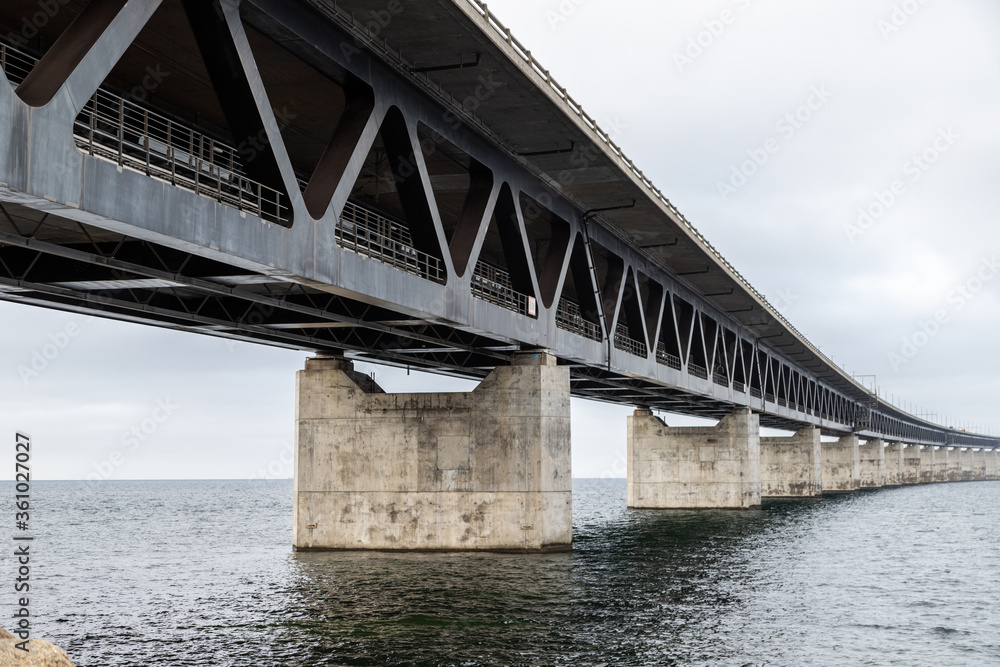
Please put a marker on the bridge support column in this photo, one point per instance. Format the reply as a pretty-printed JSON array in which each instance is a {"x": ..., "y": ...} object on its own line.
[
  {"x": 966, "y": 465},
  {"x": 894, "y": 463},
  {"x": 484, "y": 470},
  {"x": 694, "y": 468},
  {"x": 979, "y": 464},
  {"x": 841, "y": 465},
  {"x": 954, "y": 468},
  {"x": 911, "y": 464},
  {"x": 872, "y": 457},
  {"x": 992, "y": 460},
  {"x": 927, "y": 465},
  {"x": 792, "y": 467},
  {"x": 941, "y": 461}
]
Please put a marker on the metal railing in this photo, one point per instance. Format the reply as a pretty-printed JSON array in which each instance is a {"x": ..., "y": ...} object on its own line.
[
  {"x": 697, "y": 370},
  {"x": 666, "y": 358},
  {"x": 627, "y": 344},
  {"x": 387, "y": 241},
  {"x": 492, "y": 284},
  {"x": 15, "y": 64},
  {"x": 570, "y": 318},
  {"x": 129, "y": 135},
  {"x": 755, "y": 392},
  {"x": 739, "y": 386},
  {"x": 720, "y": 379}
]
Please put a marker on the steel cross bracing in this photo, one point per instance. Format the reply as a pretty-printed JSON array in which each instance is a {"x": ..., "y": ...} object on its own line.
[{"x": 404, "y": 232}]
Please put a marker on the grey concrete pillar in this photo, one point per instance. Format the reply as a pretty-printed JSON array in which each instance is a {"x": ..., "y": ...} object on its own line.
[
  {"x": 483, "y": 470},
  {"x": 694, "y": 468},
  {"x": 894, "y": 463},
  {"x": 941, "y": 459},
  {"x": 911, "y": 464},
  {"x": 926, "y": 465},
  {"x": 979, "y": 464},
  {"x": 792, "y": 467},
  {"x": 841, "y": 465},
  {"x": 872, "y": 459},
  {"x": 992, "y": 464},
  {"x": 966, "y": 465},
  {"x": 954, "y": 473}
]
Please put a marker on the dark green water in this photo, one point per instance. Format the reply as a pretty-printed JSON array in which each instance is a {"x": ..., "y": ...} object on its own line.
[{"x": 201, "y": 573}]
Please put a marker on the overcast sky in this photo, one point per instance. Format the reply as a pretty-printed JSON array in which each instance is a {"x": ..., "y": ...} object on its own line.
[{"x": 840, "y": 107}]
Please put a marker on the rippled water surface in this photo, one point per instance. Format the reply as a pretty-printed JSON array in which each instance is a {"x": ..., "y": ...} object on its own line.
[{"x": 202, "y": 573}]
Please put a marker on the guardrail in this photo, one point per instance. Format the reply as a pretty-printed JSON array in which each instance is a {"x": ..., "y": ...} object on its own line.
[
  {"x": 666, "y": 358},
  {"x": 720, "y": 379},
  {"x": 627, "y": 344},
  {"x": 492, "y": 284},
  {"x": 128, "y": 134},
  {"x": 697, "y": 370},
  {"x": 570, "y": 318},
  {"x": 387, "y": 241}
]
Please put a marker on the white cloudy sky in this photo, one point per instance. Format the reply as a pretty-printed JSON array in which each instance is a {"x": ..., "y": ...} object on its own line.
[{"x": 687, "y": 124}]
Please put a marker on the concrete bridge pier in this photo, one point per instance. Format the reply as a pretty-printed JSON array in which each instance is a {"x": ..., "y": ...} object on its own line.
[
  {"x": 978, "y": 463},
  {"x": 694, "y": 468},
  {"x": 992, "y": 464},
  {"x": 841, "y": 465},
  {"x": 894, "y": 463},
  {"x": 926, "y": 465},
  {"x": 954, "y": 473},
  {"x": 911, "y": 464},
  {"x": 967, "y": 472},
  {"x": 872, "y": 458},
  {"x": 483, "y": 470},
  {"x": 792, "y": 467},
  {"x": 942, "y": 459}
]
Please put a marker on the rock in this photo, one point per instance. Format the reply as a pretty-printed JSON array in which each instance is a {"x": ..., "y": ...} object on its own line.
[{"x": 40, "y": 653}]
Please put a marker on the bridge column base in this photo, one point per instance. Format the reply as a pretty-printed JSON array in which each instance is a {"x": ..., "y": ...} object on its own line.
[
  {"x": 941, "y": 463},
  {"x": 912, "y": 460},
  {"x": 894, "y": 463},
  {"x": 992, "y": 464},
  {"x": 954, "y": 473},
  {"x": 927, "y": 469},
  {"x": 694, "y": 468},
  {"x": 979, "y": 464},
  {"x": 484, "y": 470},
  {"x": 792, "y": 467},
  {"x": 872, "y": 458},
  {"x": 842, "y": 465},
  {"x": 966, "y": 464}
]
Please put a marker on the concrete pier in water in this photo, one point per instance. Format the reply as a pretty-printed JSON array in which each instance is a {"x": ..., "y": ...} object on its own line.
[
  {"x": 484, "y": 470},
  {"x": 872, "y": 461},
  {"x": 894, "y": 453},
  {"x": 792, "y": 467},
  {"x": 694, "y": 467},
  {"x": 841, "y": 465}
]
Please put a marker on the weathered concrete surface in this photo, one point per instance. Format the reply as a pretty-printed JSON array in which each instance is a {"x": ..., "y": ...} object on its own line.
[
  {"x": 894, "y": 463},
  {"x": 39, "y": 654},
  {"x": 484, "y": 470},
  {"x": 792, "y": 467},
  {"x": 966, "y": 471},
  {"x": 992, "y": 464},
  {"x": 841, "y": 465},
  {"x": 694, "y": 468},
  {"x": 927, "y": 465},
  {"x": 872, "y": 461},
  {"x": 911, "y": 464},
  {"x": 942, "y": 457},
  {"x": 954, "y": 472},
  {"x": 979, "y": 464}
]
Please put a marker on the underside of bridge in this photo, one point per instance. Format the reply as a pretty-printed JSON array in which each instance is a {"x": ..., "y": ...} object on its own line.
[{"x": 401, "y": 183}]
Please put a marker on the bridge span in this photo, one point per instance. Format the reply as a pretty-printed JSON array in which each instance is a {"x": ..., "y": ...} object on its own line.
[{"x": 404, "y": 183}]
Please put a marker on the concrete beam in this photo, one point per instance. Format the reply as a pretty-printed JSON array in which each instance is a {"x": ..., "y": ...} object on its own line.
[
  {"x": 894, "y": 452},
  {"x": 841, "y": 465},
  {"x": 484, "y": 470},
  {"x": 694, "y": 468},
  {"x": 792, "y": 467},
  {"x": 872, "y": 459}
]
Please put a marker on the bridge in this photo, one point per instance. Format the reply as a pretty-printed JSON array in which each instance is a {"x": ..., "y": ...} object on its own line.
[{"x": 403, "y": 183}]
